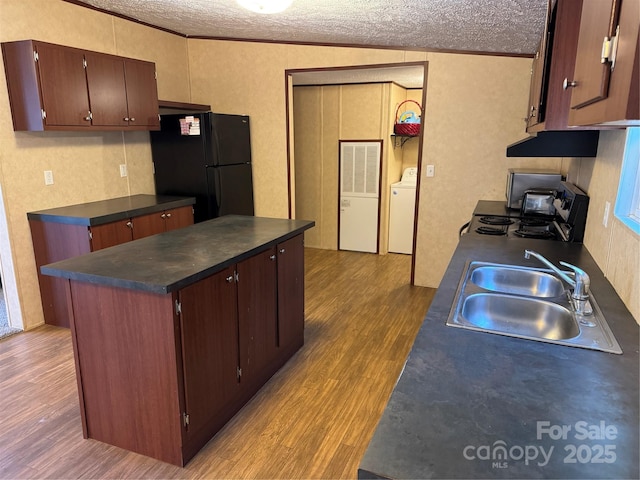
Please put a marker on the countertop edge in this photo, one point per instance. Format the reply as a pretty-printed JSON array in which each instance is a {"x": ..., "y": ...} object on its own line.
[
  {"x": 56, "y": 215},
  {"x": 59, "y": 270}
]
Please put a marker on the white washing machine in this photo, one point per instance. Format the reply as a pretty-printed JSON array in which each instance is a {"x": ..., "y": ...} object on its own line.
[{"x": 402, "y": 212}]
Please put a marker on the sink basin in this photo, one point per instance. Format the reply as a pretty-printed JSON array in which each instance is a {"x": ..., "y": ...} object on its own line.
[
  {"x": 529, "y": 303},
  {"x": 517, "y": 280},
  {"x": 522, "y": 316}
]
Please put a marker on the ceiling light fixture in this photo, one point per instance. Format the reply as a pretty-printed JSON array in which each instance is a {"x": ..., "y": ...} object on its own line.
[{"x": 265, "y": 6}]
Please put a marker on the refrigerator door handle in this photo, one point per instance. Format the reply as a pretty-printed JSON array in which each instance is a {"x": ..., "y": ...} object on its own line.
[
  {"x": 216, "y": 142},
  {"x": 213, "y": 191},
  {"x": 216, "y": 176}
]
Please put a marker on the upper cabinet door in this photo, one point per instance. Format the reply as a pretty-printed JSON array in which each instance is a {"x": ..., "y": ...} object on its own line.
[
  {"x": 105, "y": 78},
  {"x": 63, "y": 85},
  {"x": 593, "y": 66},
  {"x": 539, "y": 73},
  {"x": 142, "y": 93}
]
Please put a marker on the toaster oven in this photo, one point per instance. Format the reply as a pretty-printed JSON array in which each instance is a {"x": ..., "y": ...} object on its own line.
[{"x": 521, "y": 180}]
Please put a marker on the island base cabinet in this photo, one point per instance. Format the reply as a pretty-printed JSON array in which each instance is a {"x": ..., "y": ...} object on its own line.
[
  {"x": 127, "y": 369},
  {"x": 160, "y": 374}
]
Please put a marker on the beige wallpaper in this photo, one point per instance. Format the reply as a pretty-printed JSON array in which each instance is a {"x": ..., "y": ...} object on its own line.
[
  {"x": 307, "y": 114},
  {"x": 330, "y": 132},
  {"x": 85, "y": 165},
  {"x": 615, "y": 248},
  {"x": 475, "y": 107}
]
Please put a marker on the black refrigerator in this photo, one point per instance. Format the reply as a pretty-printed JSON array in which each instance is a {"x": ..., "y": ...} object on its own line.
[{"x": 207, "y": 156}]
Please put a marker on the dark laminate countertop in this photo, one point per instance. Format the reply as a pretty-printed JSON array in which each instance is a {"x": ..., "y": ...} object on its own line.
[
  {"x": 169, "y": 261},
  {"x": 107, "y": 211},
  {"x": 471, "y": 392}
]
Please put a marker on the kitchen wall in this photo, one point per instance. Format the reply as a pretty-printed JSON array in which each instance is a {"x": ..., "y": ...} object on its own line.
[
  {"x": 475, "y": 106},
  {"x": 615, "y": 247},
  {"x": 85, "y": 165}
]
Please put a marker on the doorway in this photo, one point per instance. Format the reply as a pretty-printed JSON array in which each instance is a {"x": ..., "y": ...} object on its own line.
[
  {"x": 333, "y": 83},
  {"x": 10, "y": 310}
]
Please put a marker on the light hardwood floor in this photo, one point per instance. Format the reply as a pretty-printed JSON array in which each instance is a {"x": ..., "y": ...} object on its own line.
[{"x": 313, "y": 419}]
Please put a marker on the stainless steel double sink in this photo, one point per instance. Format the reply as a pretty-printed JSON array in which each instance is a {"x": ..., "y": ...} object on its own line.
[{"x": 530, "y": 303}]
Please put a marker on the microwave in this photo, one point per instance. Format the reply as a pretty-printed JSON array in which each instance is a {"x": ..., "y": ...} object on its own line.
[{"x": 520, "y": 180}]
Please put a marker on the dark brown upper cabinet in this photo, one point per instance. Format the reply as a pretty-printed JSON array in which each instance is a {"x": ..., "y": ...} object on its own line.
[
  {"x": 549, "y": 99},
  {"x": 605, "y": 86},
  {"x": 53, "y": 87}
]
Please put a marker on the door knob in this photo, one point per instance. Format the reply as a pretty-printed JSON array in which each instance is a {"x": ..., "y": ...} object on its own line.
[{"x": 566, "y": 84}]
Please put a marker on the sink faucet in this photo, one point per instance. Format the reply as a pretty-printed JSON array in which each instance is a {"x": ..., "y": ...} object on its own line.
[{"x": 580, "y": 294}]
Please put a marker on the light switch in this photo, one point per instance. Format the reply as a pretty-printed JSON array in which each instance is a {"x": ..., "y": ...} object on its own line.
[
  {"x": 431, "y": 170},
  {"x": 123, "y": 170},
  {"x": 48, "y": 177}
]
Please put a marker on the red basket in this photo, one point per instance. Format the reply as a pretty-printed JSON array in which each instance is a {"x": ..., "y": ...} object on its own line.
[{"x": 407, "y": 129}]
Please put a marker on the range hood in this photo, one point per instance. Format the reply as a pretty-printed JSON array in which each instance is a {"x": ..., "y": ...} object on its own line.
[{"x": 567, "y": 143}]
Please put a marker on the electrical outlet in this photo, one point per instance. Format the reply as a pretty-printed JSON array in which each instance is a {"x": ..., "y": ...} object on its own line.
[
  {"x": 123, "y": 170},
  {"x": 48, "y": 177},
  {"x": 605, "y": 218},
  {"x": 431, "y": 170}
]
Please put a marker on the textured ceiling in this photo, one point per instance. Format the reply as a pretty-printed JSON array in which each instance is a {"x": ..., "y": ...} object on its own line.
[{"x": 494, "y": 26}]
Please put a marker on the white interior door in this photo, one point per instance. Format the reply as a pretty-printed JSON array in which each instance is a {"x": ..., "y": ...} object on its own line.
[{"x": 359, "y": 196}]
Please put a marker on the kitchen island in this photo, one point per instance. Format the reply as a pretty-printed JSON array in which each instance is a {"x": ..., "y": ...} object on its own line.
[
  {"x": 175, "y": 332},
  {"x": 471, "y": 404}
]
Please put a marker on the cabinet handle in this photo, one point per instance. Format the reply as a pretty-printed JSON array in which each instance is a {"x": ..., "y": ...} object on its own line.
[
  {"x": 132, "y": 119},
  {"x": 163, "y": 215},
  {"x": 566, "y": 84},
  {"x": 282, "y": 250},
  {"x": 229, "y": 279},
  {"x": 125, "y": 119},
  {"x": 168, "y": 215},
  {"x": 89, "y": 117},
  {"x": 272, "y": 257},
  {"x": 129, "y": 224}
]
